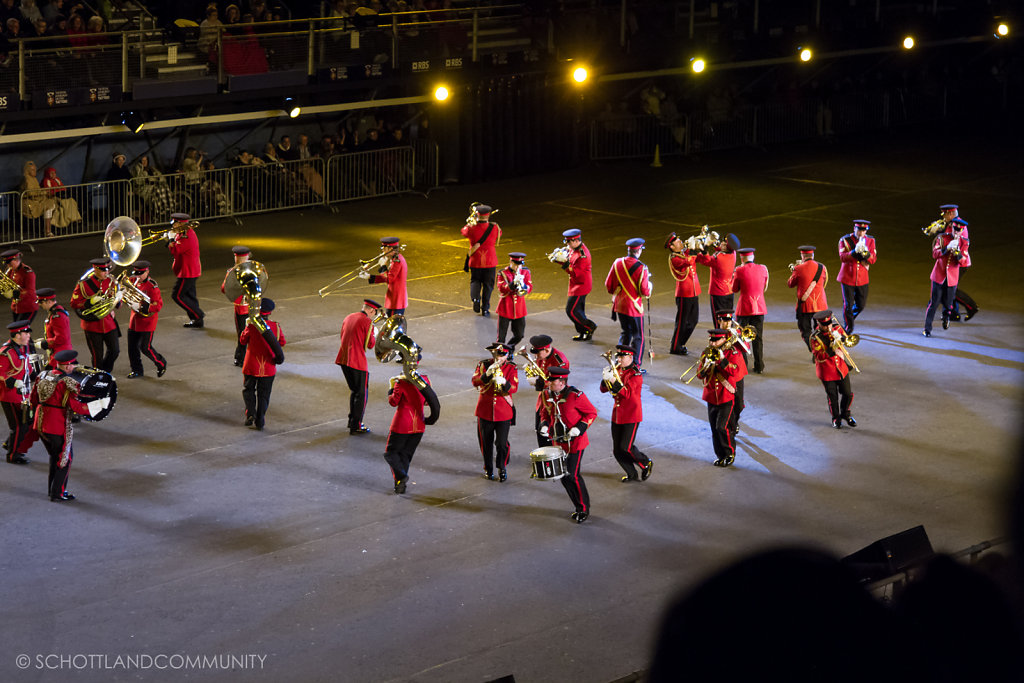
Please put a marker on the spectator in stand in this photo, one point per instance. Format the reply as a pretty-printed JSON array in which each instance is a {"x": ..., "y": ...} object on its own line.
[
  {"x": 250, "y": 174},
  {"x": 7, "y": 10},
  {"x": 149, "y": 185},
  {"x": 258, "y": 9},
  {"x": 342, "y": 141},
  {"x": 30, "y": 13},
  {"x": 35, "y": 202},
  {"x": 119, "y": 167},
  {"x": 327, "y": 149},
  {"x": 76, "y": 32},
  {"x": 13, "y": 29},
  {"x": 371, "y": 142},
  {"x": 208, "y": 29},
  {"x": 303, "y": 149},
  {"x": 52, "y": 10},
  {"x": 93, "y": 28},
  {"x": 65, "y": 210},
  {"x": 232, "y": 16},
  {"x": 285, "y": 151},
  {"x": 212, "y": 197}
]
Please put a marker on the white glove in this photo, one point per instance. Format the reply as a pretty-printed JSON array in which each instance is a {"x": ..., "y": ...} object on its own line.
[
  {"x": 169, "y": 235},
  {"x": 691, "y": 243},
  {"x": 544, "y": 430},
  {"x": 650, "y": 286},
  {"x": 135, "y": 305},
  {"x": 499, "y": 380},
  {"x": 574, "y": 432},
  {"x": 364, "y": 274},
  {"x": 95, "y": 298},
  {"x": 19, "y": 384},
  {"x": 560, "y": 257},
  {"x": 608, "y": 375}
]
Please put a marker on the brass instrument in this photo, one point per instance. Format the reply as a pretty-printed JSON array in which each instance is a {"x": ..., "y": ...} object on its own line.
[
  {"x": 122, "y": 243},
  {"x": 519, "y": 282},
  {"x": 934, "y": 228},
  {"x": 7, "y": 284},
  {"x": 132, "y": 295},
  {"x": 861, "y": 249},
  {"x": 493, "y": 371},
  {"x": 531, "y": 368},
  {"x": 381, "y": 261},
  {"x": 704, "y": 241},
  {"x": 473, "y": 216},
  {"x": 560, "y": 255},
  {"x": 249, "y": 281},
  {"x": 394, "y": 344},
  {"x": 840, "y": 341},
  {"x": 709, "y": 357},
  {"x": 953, "y": 248},
  {"x": 609, "y": 356},
  {"x": 792, "y": 266}
]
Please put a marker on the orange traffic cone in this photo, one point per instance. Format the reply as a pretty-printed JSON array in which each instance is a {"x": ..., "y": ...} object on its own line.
[{"x": 657, "y": 157}]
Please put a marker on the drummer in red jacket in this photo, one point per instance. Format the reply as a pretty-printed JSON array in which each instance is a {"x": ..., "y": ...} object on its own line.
[
  {"x": 358, "y": 336},
  {"x": 567, "y": 415},
  {"x": 627, "y": 414},
  {"x": 55, "y": 402},
  {"x": 259, "y": 368},
  {"x": 831, "y": 368},
  {"x": 184, "y": 246}
]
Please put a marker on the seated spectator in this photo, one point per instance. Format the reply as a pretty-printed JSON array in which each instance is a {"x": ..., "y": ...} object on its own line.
[
  {"x": 326, "y": 148},
  {"x": 65, "y": 210},
  {"x": 209, "y": 28},
  {"x": 93, "y": 28},
  {"x": 285, "y": 151},
  {"x": 303, "y": 149},
  {"x": 151, "y": 188},
  {"x": 30, "y": 13},
  {"x": 76, "y": 33},
  {"x": 52, "y": 9},
  {"x": 13, "y": 29},
  {"x": 118, "y": 167},
  {"x": 35, "y": 202},
  {"x": 212, "y": 197},
  {"x": 190, "y": 165}
]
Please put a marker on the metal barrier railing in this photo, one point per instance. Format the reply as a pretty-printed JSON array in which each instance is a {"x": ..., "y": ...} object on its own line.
[
  {"x": 426, "y": 165},
  {"x": 624, "y": 137},
  {"x": 10, "y": 223},
  {"x": 370, "y": 174},
  {"x": 273, "y": 186}
]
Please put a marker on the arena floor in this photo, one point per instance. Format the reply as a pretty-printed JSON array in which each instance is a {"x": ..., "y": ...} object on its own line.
[{"x": 287, "y": 549}]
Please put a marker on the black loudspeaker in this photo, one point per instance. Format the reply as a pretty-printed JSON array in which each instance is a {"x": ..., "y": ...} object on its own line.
[{"x": 890, "y": 555}]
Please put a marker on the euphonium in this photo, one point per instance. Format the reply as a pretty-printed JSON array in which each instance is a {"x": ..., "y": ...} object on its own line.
[
  {"x": 531, "y": 369},
  {"x": 134, "y": 296}
]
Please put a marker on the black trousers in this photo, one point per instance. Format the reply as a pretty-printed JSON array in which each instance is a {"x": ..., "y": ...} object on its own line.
[
  {"x": 358, "y": 382},
  {"x": 398, "y": 453},
  {"x": 518, "y": 329},
  {"x": 184, "y": 294},
  {"x": 395, "y": 311},
  {"x": 805, "y": 322},
  {"x": 542, "y": 441},
  {"x": 840, "y": 397},
  {"x": 964, "y": 299},
  {"x": 57, "y": 484},
  {"x": 757, "y": 346},
  {"x": 633, "y": 335},
  {"x": 256, "y": 394},
  {"x": 942, "y": 297},
  {"x": 140, "y": 343},
  {"x": 21, "y": 437},
  {"x": 481, "y": 284},
  {"x": 737, "y": 407},
  {"x": 493, "y": 435},
  {"x": 240, "y": 322},
  {"x": 104, "y": 348},
  {"x": 576, "y": 309},
  {"x": 719, "y": 417},
  {"x": 624, "y": 448},
  {"x": 28, "y": 317},
  {"x": 855, "y": 298},
  {"x": 687, "y": 316},
  {"x": 721, "y": 302},
  {"x": 573, "y": 482}
]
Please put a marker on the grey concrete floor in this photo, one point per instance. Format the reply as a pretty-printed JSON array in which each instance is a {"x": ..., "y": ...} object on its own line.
[{"x": 194, "y": 536}]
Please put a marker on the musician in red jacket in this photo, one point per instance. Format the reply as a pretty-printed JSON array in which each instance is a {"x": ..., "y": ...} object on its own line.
[
  {"x": 392, "y": 270},
  {"x": 722, "y": 262},
  {"x": 184, "y": 246},
  {"x": 720, "y": 377},
  {"x": 949, "y": 250},
  {"x": 241, "y": 254},
  {"x": 56, "y": 326},
  {"x": 567, "y": 415},
  {"x": 627, "y": 414},
  {"x": 683, "y": 266},
  {"x": 575, "y": 260},
  {"x": 23, "y": 298},
  {"x": 750, "y": 281},
  {"x": 483, "y": 236},
  {"x": 496, "y": 378},
  {"x": 15, "y": 389},
  {"x": 55, "y": 400},
  {"x": 100, "y": 334},
  {"x": 831, "y": 368},
  {"x": 514, "y": 283},
  {"x": 259, "y": 368},
  {"x": 407, "y": 427},
  {"x": 546, "y": 357},
  {"x": 962, "y": 298},
  {"x": 629, "y": 281},
  {"x": 857, "y": 253},
  {"x": 358, "y": 335},
  {"x": 142, "y": 322},
  {"x": 809, "y": 278}
]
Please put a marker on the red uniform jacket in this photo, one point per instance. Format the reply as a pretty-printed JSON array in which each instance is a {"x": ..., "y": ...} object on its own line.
[
  {"x": 966, "y": 235},
  {"x": 25, "y": 300},
  {"x": 810, "y": 292},
  {"x": 395, "y": 277},
  {"x": 829, "y": 366},
  {"x": 52, "y": 414},
  {"x": 555, "y": 359},
  {"x": 854, "y": 270},
  {"x": 628, "y": 406},
  {"x": 259, "y": 358},
  {"x": 495, "y": 405},
  {"x": 408, "y": 403},
  {"x": 628, "y": 289},
  {"x": 947, "y": 268},
  {"x": 241, "y": 307},
  {"x": 512, "y": 304},
  {"x": 57, "y": 328},
  {"x": 14, "y": 365},
  {"x": 576, "y": 410},
  {"x": 722, "y": 267},
  {"x": 750, "y": 280},
  {"x": 581, "y": 277},
  {"x": 185, "y": 250},
  {"x": 720, "y": 382},
  {"x": 683, "y": 267},
  {"x": 486, "y": 256},
  {"x": 84, "y": 290},
  {"x": 144, "y": 320},
  {"x": 357, "y": 335}
]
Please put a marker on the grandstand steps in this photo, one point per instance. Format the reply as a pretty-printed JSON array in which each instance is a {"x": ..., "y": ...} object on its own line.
[
  {"x": 499, "y": 39},
  {"x": 169, "y": 60}
]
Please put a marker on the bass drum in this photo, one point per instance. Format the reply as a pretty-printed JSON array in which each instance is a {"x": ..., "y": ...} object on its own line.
[{"x": 95, "y": 385}]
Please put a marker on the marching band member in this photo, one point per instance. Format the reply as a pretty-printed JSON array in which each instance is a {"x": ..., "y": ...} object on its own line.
[
  {"x": 497, "y": 378},
  {"x": 724, "y": 321},
  {"x": 722, "y": 262},
  {"x": 547, "y": 357},
  {"x": 16, "y": 373},
  {"x": 750, "y": 281},
  {"x": 187, "y": 267},
  {"x": 241, "y": 254},
  {"x": 483, "y": 236},
  {"x": 394, "y": 271},
  {"x": 142, "y": 322},
  {"x": 23, "y": 298},
  {"x": 514, "y": 283},
  {"x": 100, "y": 335},
  {"x": 857, "y": 254},
  {"x": 567, "y": 415},
  {"x": 949, "y": 249},
  {"x": 831, "y": 368},
  {"x": 259, "y": 368},
  {"x": 358, "y": 335},
  {"x": 625, "y": 383},
  {"x": 57, "y": 326},
  {"x": 576, "y": 262},
  {"x": 683, "y": 266},
  {"x": 55, "y": 400},
  {"x": 628, "y": 282},
  {"x": 720, "y": 376},
  {"x": 949, "y": 212},
  {"x": 407, "y": 427},
  {"x": 809, "y": 278}
]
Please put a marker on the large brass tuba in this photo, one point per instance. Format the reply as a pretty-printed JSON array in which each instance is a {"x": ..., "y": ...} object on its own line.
[
  {"x": 393, "y": 344},
  {"x": 249, "y": 281}
]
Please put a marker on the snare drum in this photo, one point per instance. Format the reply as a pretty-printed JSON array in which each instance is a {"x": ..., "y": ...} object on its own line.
[{"x": 548, "y": 463}]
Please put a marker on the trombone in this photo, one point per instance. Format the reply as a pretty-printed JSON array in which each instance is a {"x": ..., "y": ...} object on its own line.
[
  {"x": 709, "y": 357},
  {"x": 381, "y": 260},
  {"x": 841, "y": 341}
]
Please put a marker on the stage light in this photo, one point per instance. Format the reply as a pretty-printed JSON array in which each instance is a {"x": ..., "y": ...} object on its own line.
[
  {"x": 441, "y": 93},
  {"x": 291, "y": 107},
  {"x": 805, "y": 54},
  {"x": 1002, "y": 30},
  {"x": 697, "y": 64},
  {"x": 908, "y": 43},
  {"x": 133, "y": 121},
  {"x": 579, "y": 74}
]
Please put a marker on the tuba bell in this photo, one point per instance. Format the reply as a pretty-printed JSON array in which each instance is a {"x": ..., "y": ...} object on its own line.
[
  {"x": 393, "y": 344},
  {"x": 122, "y": 243}
]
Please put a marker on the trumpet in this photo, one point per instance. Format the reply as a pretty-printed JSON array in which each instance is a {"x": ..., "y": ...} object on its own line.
[
  {"x": 560, "y": 255},
  {"x": 709, "y": 358},
  {"x": 609, "y": 356},
  {"x": 934, "y": 228},
  {"x": 381, "y": 261},
  {"x": 793, "y": 265},
  {"x": 861, "y": 249},
  {"x": 531, "y": 369}
]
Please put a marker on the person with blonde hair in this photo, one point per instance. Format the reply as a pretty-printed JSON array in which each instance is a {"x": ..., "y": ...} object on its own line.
[{"x": 36, "y": 202}]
